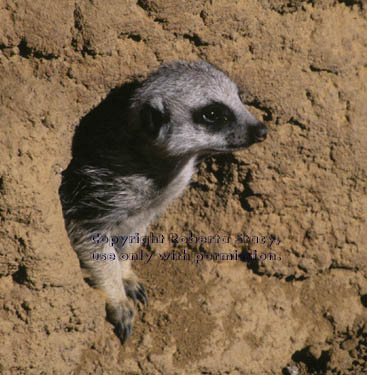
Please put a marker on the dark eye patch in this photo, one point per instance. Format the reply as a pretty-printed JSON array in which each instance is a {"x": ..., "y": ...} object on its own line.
[{"x": 213, "y": 115}]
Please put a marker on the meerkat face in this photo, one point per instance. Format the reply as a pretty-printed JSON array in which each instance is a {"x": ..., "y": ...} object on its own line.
[
  {"x": 238, "y": 128},
  {"x": 193, "y": 108}
]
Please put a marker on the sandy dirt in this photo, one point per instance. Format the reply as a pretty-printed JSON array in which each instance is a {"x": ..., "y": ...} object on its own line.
[{"x": 303, "y": 66}]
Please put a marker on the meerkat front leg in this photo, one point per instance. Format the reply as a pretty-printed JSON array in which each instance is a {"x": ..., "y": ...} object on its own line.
[
  {"x": 107, "y": 276},
  {"x": 133, "y": 287}
]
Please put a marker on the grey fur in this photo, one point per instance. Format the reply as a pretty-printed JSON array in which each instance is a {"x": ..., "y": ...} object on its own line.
[{"x": 117, "y": 183}]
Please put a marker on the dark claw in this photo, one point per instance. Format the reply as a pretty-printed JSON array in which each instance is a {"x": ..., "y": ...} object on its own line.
[
  {"x": 142, "y": 295},
  {"x": 132, "y": 294},
  {"x": 123, "y": 331},
  {"x": 121, "y": 317},
  {"x": 137, "y": 294}
]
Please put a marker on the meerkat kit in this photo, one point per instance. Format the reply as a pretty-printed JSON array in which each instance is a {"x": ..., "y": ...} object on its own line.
[{"x": 139, "y": 160}]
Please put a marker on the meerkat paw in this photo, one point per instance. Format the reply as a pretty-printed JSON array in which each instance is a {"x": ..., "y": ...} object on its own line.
[
  {"x": 136, "y": 291},
  {"x": 121, "y": 316}
]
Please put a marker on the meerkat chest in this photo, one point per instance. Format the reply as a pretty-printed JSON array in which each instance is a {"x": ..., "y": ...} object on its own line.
[
  {"x": 137, "y": 222},
  {"x": 176, "y": 185}
]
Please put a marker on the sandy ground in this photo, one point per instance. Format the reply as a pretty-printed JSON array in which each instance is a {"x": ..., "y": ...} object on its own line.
[{"x": 303, "y": 65}]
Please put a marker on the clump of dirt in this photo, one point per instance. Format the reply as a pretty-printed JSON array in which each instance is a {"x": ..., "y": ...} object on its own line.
[{"x": 291, "y": 211}]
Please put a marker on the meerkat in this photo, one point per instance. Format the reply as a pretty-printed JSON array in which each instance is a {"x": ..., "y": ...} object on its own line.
[{"x": 141, "y": 159}]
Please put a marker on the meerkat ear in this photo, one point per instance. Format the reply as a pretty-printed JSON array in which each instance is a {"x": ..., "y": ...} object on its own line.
[{"x": 153, "y": 115}]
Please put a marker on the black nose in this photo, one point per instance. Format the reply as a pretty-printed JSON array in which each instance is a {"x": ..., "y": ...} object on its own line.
[{"x": 258, "y": 132}]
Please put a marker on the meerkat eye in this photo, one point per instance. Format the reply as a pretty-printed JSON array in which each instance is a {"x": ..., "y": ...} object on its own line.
[{"x": 213, "y": 114}]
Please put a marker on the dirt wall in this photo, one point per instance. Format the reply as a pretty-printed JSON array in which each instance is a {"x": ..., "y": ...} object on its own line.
[{"x": 303, "y": 66}]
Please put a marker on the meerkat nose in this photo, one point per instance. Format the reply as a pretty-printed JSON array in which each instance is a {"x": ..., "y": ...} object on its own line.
[{"x": 258, "y": 132}]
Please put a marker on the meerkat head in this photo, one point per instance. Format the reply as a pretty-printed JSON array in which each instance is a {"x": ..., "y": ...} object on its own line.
[{"x": 194, "y": 108}]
